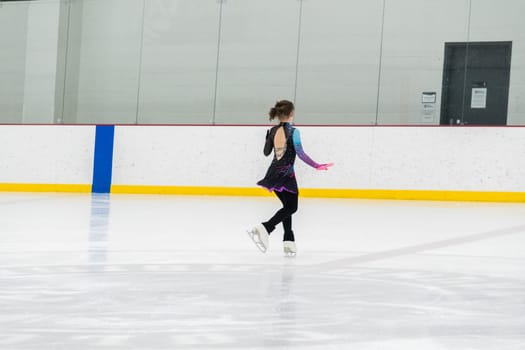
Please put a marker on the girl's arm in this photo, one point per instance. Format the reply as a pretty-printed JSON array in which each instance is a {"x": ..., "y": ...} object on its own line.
[
  {"x": 268, "y": 145},
  {"x": 303, "y": 156},
  {"x": 300, "y": 151}
]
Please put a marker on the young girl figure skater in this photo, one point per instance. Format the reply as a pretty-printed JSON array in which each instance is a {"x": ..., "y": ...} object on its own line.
[{"x": 285, "y": 141}]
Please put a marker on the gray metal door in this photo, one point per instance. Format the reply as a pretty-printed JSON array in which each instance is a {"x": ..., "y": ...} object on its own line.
[{"x": 476, "y": 79}]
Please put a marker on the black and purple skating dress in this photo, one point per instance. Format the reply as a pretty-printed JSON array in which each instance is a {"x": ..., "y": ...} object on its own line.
[{"x": 281, "y": 175}]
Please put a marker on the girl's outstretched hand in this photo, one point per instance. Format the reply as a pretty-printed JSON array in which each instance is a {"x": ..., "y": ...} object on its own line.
[{"x": 324, "y": 166}]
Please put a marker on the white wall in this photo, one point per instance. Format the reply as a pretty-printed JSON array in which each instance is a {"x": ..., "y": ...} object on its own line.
[
  {"x": 46, "y": 154},
  {"x": 413, "y": 158},
  {"x": 41, "y": 62},
  {"x": 187, "y": 156}
]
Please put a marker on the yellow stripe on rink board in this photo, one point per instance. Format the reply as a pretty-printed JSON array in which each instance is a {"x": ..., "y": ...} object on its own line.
[
  {"x": 191, "y": 190},
  {"x": 467, "y": 196},
  {"x": 72, "y": 188},
  {"x": 461, "y": 196}
]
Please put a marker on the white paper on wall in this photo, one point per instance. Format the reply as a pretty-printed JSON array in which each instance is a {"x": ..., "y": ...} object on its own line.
[
  {"x": 428, "y": 97},
  {"x": 428, "y": 112},
  {"x": 479, "y": 98}
]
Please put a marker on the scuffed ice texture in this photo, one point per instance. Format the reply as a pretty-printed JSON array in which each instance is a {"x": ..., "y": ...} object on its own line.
[{"x": 144, "y": 272}]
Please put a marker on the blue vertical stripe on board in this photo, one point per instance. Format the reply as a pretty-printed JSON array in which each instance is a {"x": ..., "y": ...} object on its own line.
[{"x": 103, "y": 163}]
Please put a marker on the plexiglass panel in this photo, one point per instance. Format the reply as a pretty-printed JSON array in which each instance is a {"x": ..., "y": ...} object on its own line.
[
  {"x": 257, "y": 59},
  {"x": 179, "y": 61},
  {"x": 339, "y": 62},
  {"x": 376, "y": 62},
  {"x": 415, "y": 33},
  {"x": 13, "y": 20},
  {"x": 104, "y": 61},
  {"x": 28, "y": 51}
]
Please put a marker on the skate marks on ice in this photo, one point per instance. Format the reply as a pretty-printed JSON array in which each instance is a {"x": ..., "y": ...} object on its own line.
[
  {"x": 422, "y": 247},
  {"x": 110, "y": 294},
  {"x": 183, "y": 306}
]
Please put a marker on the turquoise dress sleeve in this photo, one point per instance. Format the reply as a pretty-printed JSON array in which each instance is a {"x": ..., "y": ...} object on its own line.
[{"x": 300, "y": 151}]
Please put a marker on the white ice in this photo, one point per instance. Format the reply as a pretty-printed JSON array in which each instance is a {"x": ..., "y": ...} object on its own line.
[{"x": 169, "y": 272}]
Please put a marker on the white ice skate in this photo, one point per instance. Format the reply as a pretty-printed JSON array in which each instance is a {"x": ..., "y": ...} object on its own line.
[
  {"x": 290, "y": 249},
  {"x": 260, "y": 237}
]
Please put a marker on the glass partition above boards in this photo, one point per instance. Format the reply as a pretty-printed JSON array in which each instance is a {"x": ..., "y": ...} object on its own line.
[{"x": 379, "y": 62}]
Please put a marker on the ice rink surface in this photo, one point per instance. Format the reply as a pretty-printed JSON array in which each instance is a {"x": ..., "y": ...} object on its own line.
[{"x": 169, "y": 272}]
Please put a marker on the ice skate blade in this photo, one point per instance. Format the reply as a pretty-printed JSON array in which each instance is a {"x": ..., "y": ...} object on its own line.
[
  {"x": 257, "y": 240},
  {"x": 289, "y": 248},
  {"x": 289, "y": 253}
]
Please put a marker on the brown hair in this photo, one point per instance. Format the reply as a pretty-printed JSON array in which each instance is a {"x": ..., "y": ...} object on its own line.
[{"x": 282, "y": 109}]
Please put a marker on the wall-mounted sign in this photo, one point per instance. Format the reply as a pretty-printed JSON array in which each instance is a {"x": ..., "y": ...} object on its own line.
[
  {"x": 428, "y": 97},
  {"x": 479, "y": 98},
  {"x": 428, "y": 112}
]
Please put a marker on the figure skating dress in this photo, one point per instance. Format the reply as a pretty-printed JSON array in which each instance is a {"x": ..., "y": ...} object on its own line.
[{"x": 281, "y": 174}]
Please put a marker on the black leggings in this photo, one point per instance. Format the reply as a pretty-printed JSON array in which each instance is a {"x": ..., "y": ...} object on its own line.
[{"x": 284, "y": 215}]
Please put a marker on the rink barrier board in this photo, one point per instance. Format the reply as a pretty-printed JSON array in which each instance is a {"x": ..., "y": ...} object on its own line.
[
  {"x": 467, "y": 196},
  {"x": 102, "y": 176}
]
